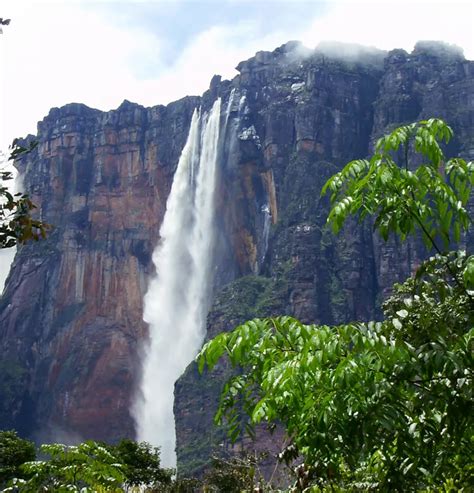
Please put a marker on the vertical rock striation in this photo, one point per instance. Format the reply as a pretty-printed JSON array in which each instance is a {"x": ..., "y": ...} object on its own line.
[{"x": 71, "y": 313}]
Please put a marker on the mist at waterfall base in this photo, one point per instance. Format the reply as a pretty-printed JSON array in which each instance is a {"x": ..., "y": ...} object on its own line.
[{"x": 177, "y": 300}]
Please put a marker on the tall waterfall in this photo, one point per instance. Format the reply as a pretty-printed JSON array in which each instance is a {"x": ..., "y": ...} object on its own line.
[{"x": 177, "y": 300}]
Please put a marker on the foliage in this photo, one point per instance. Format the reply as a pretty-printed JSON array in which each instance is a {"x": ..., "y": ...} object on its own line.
[
  {"x": 180, "y": 485},
  {"x": 431, "y": 198},
  {"x": 141, "y": 463},
  {"x": 385, "y": 406},
  {"x": 16, "y": 222},
  {"x": 355, "y": 398},
  {"x": 88, "y": 467},
  {"x": 432, "y": 303},
  {"x": 82, "y": 468},
  {"x": 14, "y": 451}
]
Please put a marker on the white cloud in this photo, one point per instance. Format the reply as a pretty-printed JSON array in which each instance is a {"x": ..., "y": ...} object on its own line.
[
  {"x": 400, "y": 24},
  {"x": 56, "y": 53},
  {"x": 214, "y": 51},
  {"x": 6, "y": 258}
]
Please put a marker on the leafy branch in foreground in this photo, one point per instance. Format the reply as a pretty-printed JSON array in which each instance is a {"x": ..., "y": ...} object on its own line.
[
  {"x": 385, "y": 406},
  {"x": 358, "y": 402},
  {"x": 14, "y": 451},
  {"x": 85, "y": 467},
  {"x": 431, "y": 198},
  {"x": 16, "y": 222}
]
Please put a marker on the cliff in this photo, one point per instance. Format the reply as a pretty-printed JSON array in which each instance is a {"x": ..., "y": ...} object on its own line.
[
  {"x": 313, "y": 113},
  {"x": 71, "y": 312}
]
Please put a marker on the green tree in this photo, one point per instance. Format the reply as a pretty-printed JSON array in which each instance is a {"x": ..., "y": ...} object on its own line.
[
  {"x": 430, "y": 198},
  {"x": 141, "y": 464},
  {"x": 14, "y": 451},
  {"x": 385, "y": 405},
  {"x": 88, "y": 467}
]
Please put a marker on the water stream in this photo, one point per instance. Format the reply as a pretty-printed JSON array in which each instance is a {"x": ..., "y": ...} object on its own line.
[{"x": 177, "y": 300}]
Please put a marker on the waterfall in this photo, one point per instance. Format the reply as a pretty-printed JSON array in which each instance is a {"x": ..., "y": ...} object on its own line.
[
  {"x": 267, "y": 221},
  {"x": 177, "y": 300}
]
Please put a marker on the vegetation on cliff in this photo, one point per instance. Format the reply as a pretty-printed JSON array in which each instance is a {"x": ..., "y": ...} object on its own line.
[{"x": 385, "y": 406}]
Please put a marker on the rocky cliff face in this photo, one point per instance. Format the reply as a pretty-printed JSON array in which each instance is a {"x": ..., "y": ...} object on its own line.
[
  {"x": 310, "y": 114},
  {"x": 71, "y": 313}
]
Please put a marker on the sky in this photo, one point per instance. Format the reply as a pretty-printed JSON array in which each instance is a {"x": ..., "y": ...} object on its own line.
[{"x": 153, "y": 52}]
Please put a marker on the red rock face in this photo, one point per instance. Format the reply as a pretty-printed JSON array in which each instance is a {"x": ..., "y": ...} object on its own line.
[{"x": 72, "y": 310}]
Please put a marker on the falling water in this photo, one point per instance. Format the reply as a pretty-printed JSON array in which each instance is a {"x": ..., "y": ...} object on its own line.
[
  {"x": 177, "y": 300},
  {"x": 267, "y": 220}
]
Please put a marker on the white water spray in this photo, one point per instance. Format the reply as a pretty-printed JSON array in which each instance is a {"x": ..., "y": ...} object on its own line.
[{"x": 177, "y": 300}]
